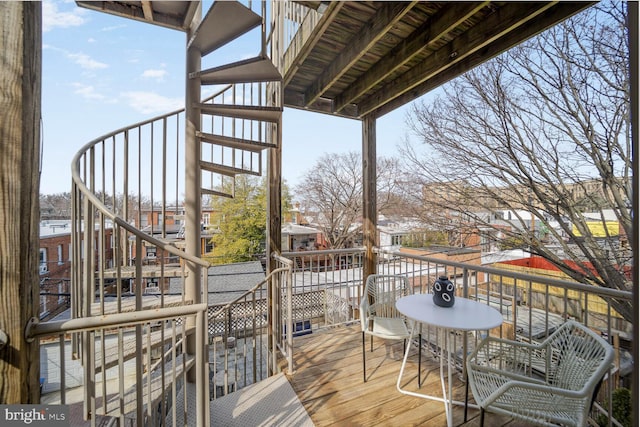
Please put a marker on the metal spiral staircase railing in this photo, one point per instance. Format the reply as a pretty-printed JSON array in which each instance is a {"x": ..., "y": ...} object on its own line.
[
  {"x": 239, "y": 122},
  {"x": 126, "y": 207}
]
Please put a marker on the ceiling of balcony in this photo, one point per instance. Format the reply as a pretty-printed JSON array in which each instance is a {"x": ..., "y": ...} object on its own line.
[{"x": 373, "y": 57}]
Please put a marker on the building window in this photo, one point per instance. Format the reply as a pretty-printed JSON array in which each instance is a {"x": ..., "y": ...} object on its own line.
[
  {"x": 151, "y": 251},
  {"x": 43, "y": 261},
  {"x": 60, "y": 255},
  {"x": 43, "y": 306},
  {"x": 205, "y": 218},
  {"x": 60, "y": 292}
]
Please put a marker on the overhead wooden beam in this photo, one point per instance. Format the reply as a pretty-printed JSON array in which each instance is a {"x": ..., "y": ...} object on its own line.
[
  {"x": 550, "y": 17},
  {"x": 137, "y": 12},
  {"x": 424, "y": 37},
  {"x": 147, "y": 10},
  {"x": 384, "y": 19},
  {"x": 503, "y": 21},
  {"x": 294, "y": 99},
  {"x": 318, "y": 33},
  {"x": 507, "y": 21}
]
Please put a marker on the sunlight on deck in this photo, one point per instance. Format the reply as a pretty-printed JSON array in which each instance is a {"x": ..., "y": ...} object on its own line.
[{"x": 328, "y": 381}]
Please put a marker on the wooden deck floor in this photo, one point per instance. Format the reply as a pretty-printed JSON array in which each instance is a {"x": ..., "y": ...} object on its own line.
[{"x": 329, "y": 382}]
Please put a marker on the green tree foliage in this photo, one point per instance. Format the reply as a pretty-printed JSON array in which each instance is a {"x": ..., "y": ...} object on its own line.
[{"x": 242, "y": 221}]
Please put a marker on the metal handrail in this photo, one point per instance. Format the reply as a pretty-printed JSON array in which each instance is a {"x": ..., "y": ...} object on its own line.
[
  {"x": 37, "y": 329},
  {"x": 598, "y": 290}
]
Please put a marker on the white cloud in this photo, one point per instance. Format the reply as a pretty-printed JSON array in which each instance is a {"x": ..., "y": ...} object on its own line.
[
  {"x": 112, "y": 28},
  {"x": 150, "y": 103},
  {"x": 53, "y": 18},
  {"x": 85, "y": 61},
  {"x": 158, "y": 75},
  {"x": 87, "y": 91}
]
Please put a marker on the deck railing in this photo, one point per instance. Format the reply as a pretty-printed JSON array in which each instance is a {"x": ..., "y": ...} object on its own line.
[
  {"x": 127, "y": 260},
  {"x": 134, "y": 367},
  {"x": 131, "y": 390},
  {"x": 532, "y": 305},
  {"x": 246, "y": 334}
]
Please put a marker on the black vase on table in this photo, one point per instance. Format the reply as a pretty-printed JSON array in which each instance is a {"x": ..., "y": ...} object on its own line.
[{"x": 443, "y": 292}]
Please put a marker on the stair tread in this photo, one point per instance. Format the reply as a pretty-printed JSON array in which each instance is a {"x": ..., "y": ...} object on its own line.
[
  {"x": 267, "y": 114},
  {"x": 128, "y": 304},
  {"x": 129, "y": 271},
  {"x": 256, "y": 69},
  {"x": 225, "y": 21},
  {"x": 129, "y": 397},
  {"x": 128, "y": 346},
  {"x": 231, "y": 142},
  {"x": 272, "y": 399},
  {"x": 226, "y": 170},
  {"x": 211, "y": 192}
]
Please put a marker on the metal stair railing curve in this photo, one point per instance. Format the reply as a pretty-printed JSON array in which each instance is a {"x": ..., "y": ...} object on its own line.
[{"x": 107, "y": 252}]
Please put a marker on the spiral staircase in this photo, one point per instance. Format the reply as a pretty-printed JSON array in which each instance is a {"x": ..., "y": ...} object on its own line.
[
  {"x": 149, "y": 336},
  {"x": 239, "y": 121}
]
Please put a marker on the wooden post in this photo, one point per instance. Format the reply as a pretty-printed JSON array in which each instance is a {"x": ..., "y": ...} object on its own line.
[
  {"x": 20, "y": 80},
  {"x": 369, "y": 201},
  {"x": 274, "y": 227}
]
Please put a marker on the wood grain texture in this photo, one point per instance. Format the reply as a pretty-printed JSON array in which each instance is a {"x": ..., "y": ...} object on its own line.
[
  {"x": 20, "y": 83},
  {"x": 328, "y": 382}
]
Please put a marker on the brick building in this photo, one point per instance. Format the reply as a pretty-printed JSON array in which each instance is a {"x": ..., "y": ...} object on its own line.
[{"x": 55, "y": 265}]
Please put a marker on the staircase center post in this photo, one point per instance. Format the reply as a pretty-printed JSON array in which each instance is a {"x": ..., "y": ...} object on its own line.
[{"x": 193, "y": 200}]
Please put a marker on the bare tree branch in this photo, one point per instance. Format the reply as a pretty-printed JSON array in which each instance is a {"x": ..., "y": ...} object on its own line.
[{"x": 543, "y": 131}]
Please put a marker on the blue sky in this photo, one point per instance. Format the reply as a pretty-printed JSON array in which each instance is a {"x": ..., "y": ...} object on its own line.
[{"x": 102, "y": 73}]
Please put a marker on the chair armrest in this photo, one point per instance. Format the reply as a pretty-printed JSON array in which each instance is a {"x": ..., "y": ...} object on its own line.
[{"x": 364, "y": 312}]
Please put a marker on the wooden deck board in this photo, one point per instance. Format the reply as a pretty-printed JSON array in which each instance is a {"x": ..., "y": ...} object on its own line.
[{"x": 328, "y": 381}]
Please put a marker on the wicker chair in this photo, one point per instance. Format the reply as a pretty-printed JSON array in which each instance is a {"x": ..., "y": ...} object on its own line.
[
  {"x": 378, "y": 314},
  {"x": 550, "y": 383}
]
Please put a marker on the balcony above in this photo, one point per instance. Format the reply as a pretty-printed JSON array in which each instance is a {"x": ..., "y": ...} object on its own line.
[
  {"x": 372, "y": 57},
  {"x": 358, "y": 58}
]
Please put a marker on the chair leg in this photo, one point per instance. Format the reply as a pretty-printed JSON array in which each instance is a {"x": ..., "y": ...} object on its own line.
[
  {"x": 419, "y": 360},
  {"x": 372, "y": 343},
  {"x": 364, "y": 362},
  {"x": 466, "y": 396},
  {"x": 481, "y": 417}
]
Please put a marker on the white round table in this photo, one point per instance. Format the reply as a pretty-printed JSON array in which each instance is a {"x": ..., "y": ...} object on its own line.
[{"x": 464, "y": 315}]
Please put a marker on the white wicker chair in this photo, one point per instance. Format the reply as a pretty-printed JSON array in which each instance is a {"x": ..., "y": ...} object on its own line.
[
  {"x": 378, "y": 314},
  {"x": 550, "y": 383}
]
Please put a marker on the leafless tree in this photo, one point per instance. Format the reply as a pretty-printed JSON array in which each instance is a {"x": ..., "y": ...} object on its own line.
[
  {"x": 542, "y": 131},
  {"x": 333, "y": 190}
]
